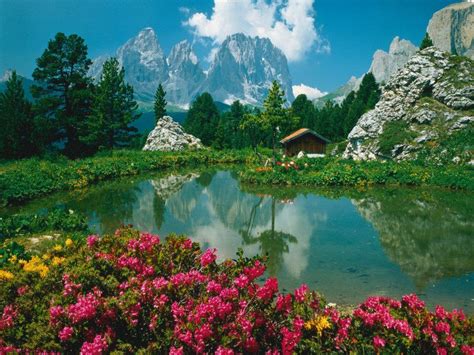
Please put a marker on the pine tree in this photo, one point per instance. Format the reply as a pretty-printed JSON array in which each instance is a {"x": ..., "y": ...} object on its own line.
[
  {"x": 113, "y": 110},
  {"x": 160, "y": 103},
  {"x": 427, "y": 42},
  {"x": 62, "y": 89},
  {"x": 304, "y": 110},
  {"x": 17, "y": 136},
  {"x": 202, "y": 119}
]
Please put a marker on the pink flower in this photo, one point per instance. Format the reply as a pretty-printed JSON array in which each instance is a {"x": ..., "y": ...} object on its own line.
[
  {"x": 187, "y": 244},
  {"x": 268, "y": 290},
  {"x": 97, "y": 347},
  {"x": 467, "y": 350},
  {"x": 413, "y": 302},
  {"x": 378, "y": 342},
  {"x": 84, "y": 309},
  {"x": 441, "y": 312},
  {"x": 300, "y": 293},
  {"x": 283, "y": 303},
  {"x": 213, "y": 287},
  {"x": 91, "y": 240},
  {"x": 224, "y": 351},
  {"x": 8, "y": 317},
  {"x": 208, "y": 257},
  {"x": 66, "y": 333},
  {"x": 55, "y": 312},
  {"x": 70, "y": 288},
  {"x": 255, "y": 271},
  {"x": 176, "y": 351},
  {"x": 442, "y": 327},
  {"x": 441, "y": 351},
  {"x": 241, "y": 281}
]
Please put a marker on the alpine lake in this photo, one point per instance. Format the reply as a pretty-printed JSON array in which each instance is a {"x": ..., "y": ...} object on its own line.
[{"x": 347, "y": 244}]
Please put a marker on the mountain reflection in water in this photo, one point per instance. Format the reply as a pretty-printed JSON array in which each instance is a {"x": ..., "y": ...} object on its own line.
[{"x": 344, "y": 243}]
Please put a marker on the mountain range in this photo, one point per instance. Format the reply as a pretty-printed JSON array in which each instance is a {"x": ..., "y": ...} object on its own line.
[{"x": 243, "y": 68}]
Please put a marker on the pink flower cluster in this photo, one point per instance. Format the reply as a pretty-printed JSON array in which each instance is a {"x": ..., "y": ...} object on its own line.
[
  {"x": 141, "y": 295},
  {"x": 8, "y": 317}
]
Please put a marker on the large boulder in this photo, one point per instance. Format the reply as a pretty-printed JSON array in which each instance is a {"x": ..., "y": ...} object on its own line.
[
  {"x": 168, "y": 135},
  {"x": 425, "y": 102}
]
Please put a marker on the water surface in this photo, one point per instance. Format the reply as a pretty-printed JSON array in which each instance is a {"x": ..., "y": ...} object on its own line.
[{"x": 346, "y": 244}]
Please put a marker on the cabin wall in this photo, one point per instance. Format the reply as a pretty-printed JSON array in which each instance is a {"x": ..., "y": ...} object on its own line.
[{"x": 307, "y": 143}]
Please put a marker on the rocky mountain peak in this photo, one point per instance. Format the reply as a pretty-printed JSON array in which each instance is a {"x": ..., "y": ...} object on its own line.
[
  {"x": 249, "y": 64},
  {"x": 243, "y": 68},
  {"x": 180, "y": 54},
  {"x": 452, "y": 29},
  {"x": 384, "y": 64}
]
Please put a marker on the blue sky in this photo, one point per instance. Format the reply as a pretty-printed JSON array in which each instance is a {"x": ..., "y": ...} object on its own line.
[{"x": 352, "y": 29}]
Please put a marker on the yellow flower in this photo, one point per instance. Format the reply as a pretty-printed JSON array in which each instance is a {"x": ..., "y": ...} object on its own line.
[
  {"x": 12, "y": 259},
  {"x": 6, "y": 275},
  {"x": 22, "y": 262},
  {"x": 57, "y": 248},
  {"x": 57, "y": 261},
  {"x": 36, "y": 265},
  {"x": 69, "y": 242},
  {"x": 46, "y": 257},
  {"x": 319, "y": 323}
]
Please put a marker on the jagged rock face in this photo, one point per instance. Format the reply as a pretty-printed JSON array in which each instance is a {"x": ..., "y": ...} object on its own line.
[
  {"x": 433, "y": 94},
  {"x": 168, "y": 135},
  {"x": 383, "y": 66},
  {"x": 452, "y": 29},
  {"x": 185, "y": 75},
  {"x": 144, "y": 62},
  {"x": 244, "y": 68}
]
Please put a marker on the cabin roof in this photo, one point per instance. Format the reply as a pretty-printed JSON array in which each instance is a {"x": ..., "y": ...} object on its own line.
[{"x": 302, "y": 132}]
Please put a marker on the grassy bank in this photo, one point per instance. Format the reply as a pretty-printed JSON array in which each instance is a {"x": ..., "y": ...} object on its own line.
[
  {"x": 338, "y": 172},
  {"x": 26, "y": 179}
]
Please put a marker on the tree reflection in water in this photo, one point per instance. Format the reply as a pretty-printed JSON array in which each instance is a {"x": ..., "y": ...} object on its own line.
[{"x": 273, "y": 244}]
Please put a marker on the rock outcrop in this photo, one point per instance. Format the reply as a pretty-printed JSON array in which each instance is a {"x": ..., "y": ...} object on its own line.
[
  {"x": 168, "y": 135},
  {"x": 429, "y": 99},
  {"x": 452, "y": 29}
]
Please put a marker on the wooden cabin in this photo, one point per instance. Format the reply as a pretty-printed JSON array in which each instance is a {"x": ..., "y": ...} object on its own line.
[{"x": 304, "y": 140}]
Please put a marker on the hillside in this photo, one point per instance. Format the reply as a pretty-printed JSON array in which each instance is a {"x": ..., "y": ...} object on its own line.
[{"x": 426, "y": 111}]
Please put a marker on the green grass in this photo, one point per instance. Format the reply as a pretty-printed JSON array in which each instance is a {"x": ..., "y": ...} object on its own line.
[
  {"x": 340, "y": 172},
  {"x": 26, "y": 179}
]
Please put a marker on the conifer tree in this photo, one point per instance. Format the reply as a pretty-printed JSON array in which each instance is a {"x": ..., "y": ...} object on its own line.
[
  {"x": 17, "y": 138},
  {"x": 427, "y": 42},
  {"x": 203, "y": 119},
  {"x": 160, "y": 103},
  {"x": 62, "y": 89},
  {"x": 113, "y": 110}
]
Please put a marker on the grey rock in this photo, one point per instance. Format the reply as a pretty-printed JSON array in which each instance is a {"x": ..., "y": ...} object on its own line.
[
  {"x": 452, "y": 29},
  {"x": 244, "y": 68},
  {"x": 168, "y": 135},
  {"x": 423, "y": 91}
]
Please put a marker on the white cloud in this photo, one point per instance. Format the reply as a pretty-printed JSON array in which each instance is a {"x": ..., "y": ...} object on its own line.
[
  {"x": 311, "y": 93},
  {"x": 289, "y": 25}
]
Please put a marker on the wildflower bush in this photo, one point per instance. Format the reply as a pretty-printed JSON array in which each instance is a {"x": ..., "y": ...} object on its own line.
[
  {"x": 331, "y": 171},
  {"x": 131, "y": 292},
  {"x": 25, "y": 179}
]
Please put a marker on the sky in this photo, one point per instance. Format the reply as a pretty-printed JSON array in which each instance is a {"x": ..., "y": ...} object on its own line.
[{"x": 325, "y": 41}]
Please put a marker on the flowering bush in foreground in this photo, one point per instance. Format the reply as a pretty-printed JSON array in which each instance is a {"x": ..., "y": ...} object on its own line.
[{"x": 132, "y": 292}]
